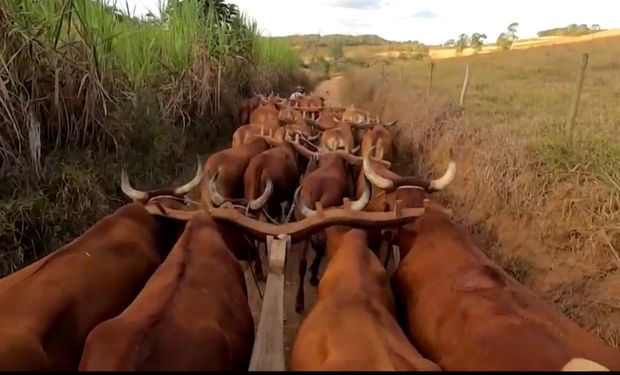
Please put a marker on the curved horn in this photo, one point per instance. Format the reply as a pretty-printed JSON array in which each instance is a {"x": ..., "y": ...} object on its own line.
[
  {"x": 360, "y": 204},
  {"x": 259, "y": 202},
  {"x": 445, "y": 180},
  {"x": 361, "y": 126},
  {"x": 304, "y": 210},
  {"x": 182, "y": 190},
  {"x": 372, "y": 176},
  {"x": 134, "y": 194},
  {"x": 582, "y": 364},
  {"x": 388, "y": 124},
  {"x": 355, "y": 149},
  {"x": 313, "y": 137},
  {"x": 214, "y": 194},
  {"x": 301, "y": 149}
]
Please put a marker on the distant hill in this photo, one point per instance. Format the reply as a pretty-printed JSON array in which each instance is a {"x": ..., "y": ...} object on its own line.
[{"x": 310, "y": 40}]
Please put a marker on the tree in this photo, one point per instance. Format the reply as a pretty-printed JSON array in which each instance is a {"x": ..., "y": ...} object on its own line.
[
  {"x": 512, "y": 29},
  {"x": 449, "y": 43},
  {"x": 477, "y": 40},
  {"x": 461, "y": 43},
  {"x": 507, "y": 38},
  {"x": 596, "y": 27}
]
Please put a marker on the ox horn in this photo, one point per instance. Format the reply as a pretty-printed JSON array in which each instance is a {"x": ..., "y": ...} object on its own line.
[
  {"x": 372, "y": 176},
  {"x": 360, "y": 204},
  {"x": 314, "y": 137},
  {"x": 301, "y": 149},
  {"x": 259, "y": 202},
  {"x": 445, "y": 180},
  {"x": 304, "y": 210},
  {"x": 361, "y": 126},
  {"x": 214, "y": 194},
  {"x": 182, "y": 190},
  {"x": 355, "y": 149},
  {"x": 582, "y": 364},
  {"x": 134, "y": 194},
  {"x": 388, "y": 124}
]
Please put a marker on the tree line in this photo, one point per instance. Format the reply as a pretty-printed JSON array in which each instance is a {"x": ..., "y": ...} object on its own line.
[{"x": 505, "y": 39}]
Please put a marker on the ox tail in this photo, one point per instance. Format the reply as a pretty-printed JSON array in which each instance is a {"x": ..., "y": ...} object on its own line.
[{"x": 261, "y": 201}]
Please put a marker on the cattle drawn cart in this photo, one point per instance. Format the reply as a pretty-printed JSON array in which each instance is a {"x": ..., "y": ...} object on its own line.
[{"x": 268, "y": 353}]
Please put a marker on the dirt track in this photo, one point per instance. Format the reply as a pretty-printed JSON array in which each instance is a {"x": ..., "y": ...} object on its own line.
[{"x": 329, "y": 90}]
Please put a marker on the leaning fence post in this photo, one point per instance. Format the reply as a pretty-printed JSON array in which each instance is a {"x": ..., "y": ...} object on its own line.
[
  {"x": 430, "y": 79},
  {"x": 465, "y": 84},
  {"x": 572, "y": 113}
]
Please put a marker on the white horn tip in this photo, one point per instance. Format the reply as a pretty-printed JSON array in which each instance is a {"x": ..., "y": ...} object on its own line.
[{"x": 582, "y": 364}]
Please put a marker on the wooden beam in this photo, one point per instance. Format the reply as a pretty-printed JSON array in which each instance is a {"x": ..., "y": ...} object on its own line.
[{"x": 268, "y": 351}]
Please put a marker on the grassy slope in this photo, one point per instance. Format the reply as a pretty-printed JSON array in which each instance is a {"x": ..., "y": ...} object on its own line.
[
  {"x": 85, "y": 92},
  {"x": 546, "y": 213}
]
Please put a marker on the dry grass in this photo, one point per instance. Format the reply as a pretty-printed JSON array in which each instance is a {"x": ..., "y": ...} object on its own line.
[{"x": 547, "y": 213}]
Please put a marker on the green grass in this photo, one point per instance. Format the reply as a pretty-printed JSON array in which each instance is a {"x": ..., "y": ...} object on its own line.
[{"x": 86, "y": 89}]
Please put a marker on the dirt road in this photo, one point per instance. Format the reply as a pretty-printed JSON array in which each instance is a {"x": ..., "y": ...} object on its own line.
[{"x": 292, "y": 320}]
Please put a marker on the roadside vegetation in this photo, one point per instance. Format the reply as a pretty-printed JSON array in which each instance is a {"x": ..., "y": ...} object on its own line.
[
  {"x": 547, "y": 212},
  {"x": 87, "y": 88}
]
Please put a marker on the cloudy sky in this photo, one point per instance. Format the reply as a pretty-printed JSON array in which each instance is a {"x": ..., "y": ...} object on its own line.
[{"x": 429, "y": 21}]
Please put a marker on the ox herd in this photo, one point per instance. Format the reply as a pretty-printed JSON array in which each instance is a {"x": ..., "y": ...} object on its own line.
[{"x": 159, "y": 284}]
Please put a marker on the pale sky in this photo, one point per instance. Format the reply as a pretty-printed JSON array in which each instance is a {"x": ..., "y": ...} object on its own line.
[{"x": 429, "y": 21}]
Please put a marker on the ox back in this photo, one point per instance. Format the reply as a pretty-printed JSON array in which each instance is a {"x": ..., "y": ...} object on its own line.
[
  {"x": 281, "y": 164},
  {"x": 48, "y": 308},
  {"x": 231, "y": 164},
  {"x": 193, "y": 314},
  {"x": 352, "y": 325},
  {"x": 466, "y": 314}
]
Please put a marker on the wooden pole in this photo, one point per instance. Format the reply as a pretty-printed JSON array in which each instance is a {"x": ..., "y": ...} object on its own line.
[
  {"x": 430, "y": 79},
  {"x": 268, "y": 350},
  {"x": 465, "y": 84},
  {"x": 572, "y": 113}
]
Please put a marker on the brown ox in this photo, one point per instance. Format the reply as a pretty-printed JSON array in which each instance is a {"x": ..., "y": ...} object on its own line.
[
  {"x": 309, "y": 104},
  {"x": 269, "y": 182},
  {"x": 326, "y": 185},
  {"x": 266, "y": 112},
  {"x": 48, "y": 308},
  {"x": 230, "y": 165},
  {"x": 352, "y": 325},
  {"x": 378, "y": 141},
  {"x": 192, "y": 315},
  {"x": 388, "y": 187},
  {"x": 465, "y": 313},
  {"x": 293, "y": 123}
]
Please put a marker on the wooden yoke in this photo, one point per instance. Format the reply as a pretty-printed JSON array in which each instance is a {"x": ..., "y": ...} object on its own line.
[{"x": 268, "y": 351}]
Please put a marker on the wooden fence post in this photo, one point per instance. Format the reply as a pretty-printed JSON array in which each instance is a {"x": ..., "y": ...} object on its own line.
[
  {"x": 430, "y": 79},
  {"x": 465, "y": 84},
  {"x": 572, "y": 113}
]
